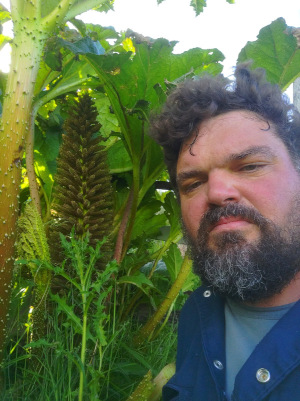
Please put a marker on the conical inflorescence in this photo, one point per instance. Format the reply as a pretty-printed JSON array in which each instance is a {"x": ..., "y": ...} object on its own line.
[{"x": 83, "y": 196}]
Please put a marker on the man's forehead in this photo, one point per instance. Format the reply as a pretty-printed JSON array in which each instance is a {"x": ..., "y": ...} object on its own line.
[
  {"x": 254, "y": 151},
  {"x": 237, "y": 119}
]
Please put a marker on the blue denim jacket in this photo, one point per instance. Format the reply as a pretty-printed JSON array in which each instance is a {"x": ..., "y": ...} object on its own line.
[{"x": 200, "y": 364}]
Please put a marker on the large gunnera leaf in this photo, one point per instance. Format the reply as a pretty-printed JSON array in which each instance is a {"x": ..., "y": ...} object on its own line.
[{"x": 277, "y": 51}]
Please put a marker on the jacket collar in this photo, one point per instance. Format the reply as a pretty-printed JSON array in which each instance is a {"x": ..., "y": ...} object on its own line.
[{"x": 278, "y": 353}]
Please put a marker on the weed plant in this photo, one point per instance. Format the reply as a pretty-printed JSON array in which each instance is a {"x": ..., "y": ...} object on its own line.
[{"x": 88, "y": 352}]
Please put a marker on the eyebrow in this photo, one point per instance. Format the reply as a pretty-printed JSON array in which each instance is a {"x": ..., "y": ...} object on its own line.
[
  {"x": 251, "y": 151},
  {"x": 185, "y": 175}
]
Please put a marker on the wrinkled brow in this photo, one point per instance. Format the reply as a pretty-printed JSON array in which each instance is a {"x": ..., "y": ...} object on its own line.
[{"x": 251, "y": 151}]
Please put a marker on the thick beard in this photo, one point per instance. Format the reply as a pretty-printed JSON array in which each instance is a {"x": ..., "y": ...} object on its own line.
[{"x": 246, "y": 271}]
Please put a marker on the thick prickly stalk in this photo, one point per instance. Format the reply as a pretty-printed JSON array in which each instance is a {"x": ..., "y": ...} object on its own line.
[
  {"x": 144, "y": 389},
  {"x": 83, "y": 193},
  {"x": 26, "y": 52},
  {"x": 160, "y": 380},
  {"x": 150, "y": 389}
]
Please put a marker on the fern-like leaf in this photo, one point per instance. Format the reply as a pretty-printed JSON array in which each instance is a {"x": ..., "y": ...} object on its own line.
[{"x": 33, "y": 247}]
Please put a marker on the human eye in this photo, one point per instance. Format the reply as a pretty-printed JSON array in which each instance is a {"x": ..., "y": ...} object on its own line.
[
  {"x": 251, "y": 167},
  {"x": 190, "y": 181},
  {"x": 191, "y": 186}
]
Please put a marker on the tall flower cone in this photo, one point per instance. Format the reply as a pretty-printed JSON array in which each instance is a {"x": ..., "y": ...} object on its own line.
[{"x": 83, "y": 195}]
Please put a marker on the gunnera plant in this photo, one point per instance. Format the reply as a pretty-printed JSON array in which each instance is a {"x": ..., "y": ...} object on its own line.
[{"x": 83, "y": 195}]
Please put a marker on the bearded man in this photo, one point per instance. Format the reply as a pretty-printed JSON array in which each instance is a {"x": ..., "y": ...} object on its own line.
[{"x": 232, "y": 150}]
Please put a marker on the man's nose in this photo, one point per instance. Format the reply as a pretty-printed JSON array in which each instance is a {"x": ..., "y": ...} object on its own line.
[{"x": 222, "y": 188}]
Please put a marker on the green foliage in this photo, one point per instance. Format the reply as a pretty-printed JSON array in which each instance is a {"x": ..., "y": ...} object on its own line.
[
  {"x": 276, "y": 51},
  {"x": 118, "y": 158},
  {"x": 91, "y": 293},
  {"x": 138, "y": 279},
  {"x": 108, "y": 123},
  {"x": 148, "y": 221},
  {"x": 151, "y": 64},
  {"x": 4, "y": 14},
  {"x": 173, "y": 260},
  {"x": 86, "y": 354},
  {"x": 151, "y": 328},
  {"x": 32, "y": 242},
  {"x": 198, "y": 5},
  {"x": 108, "y": 5},
  {"x": 53, "y": 55},
  {"x": 130, "y": 82},
  {"x": 4, "y": 17},
  {"x": 32, "y": 245},
  {"x": 4, "y": 40},
  {"x": 48, "y": 132}
]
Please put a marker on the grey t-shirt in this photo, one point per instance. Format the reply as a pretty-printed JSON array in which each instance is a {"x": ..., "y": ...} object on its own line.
[{"x": 245, "y": 327}]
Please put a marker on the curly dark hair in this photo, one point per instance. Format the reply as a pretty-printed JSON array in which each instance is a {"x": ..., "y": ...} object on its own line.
[{"x": 201, "y": 98}]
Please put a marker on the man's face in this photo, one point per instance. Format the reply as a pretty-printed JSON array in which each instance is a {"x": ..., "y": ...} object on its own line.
[{"x": 239, "y": 194}]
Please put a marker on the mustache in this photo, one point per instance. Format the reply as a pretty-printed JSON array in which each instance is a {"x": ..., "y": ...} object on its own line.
[{"x": 213, "y": 215}]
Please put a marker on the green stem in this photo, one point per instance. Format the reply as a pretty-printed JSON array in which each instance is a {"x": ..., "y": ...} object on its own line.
[
  {"x": 47, "y": 215},
  {"x": 57, "y": 15},
  {"x": 116, "y": 103},
  {"x": 16, "y": 7},
  {"x": 172, "y": 238},
  {"x": 60, "y": 90},
  {"x": 29, "y": 150},
  {"x": 134, "y": 206},
  {"x": 81, "y": 7},
  {"x": 155, "y": 334},
  {"x": 83, "y": 351},
  {"x": 100, "y": 358},
  {"x": 122, "y": 229},
  {"x": 26, "y": 54},
  {"x": 146, "y": 331}
]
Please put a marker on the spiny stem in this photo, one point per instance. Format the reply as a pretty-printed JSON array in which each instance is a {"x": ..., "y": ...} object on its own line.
[
  {"x": 58, "y": 14},
  {"x": 33, "y": 185},
  {"x": 165, "y": 305}
]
